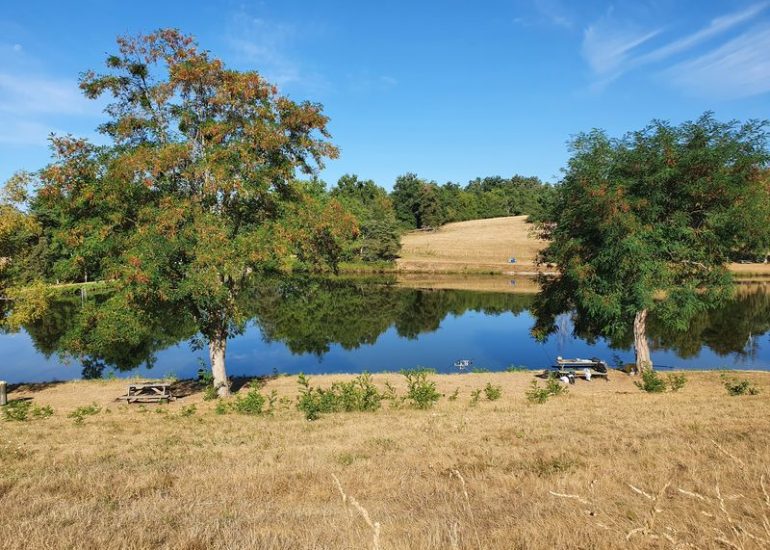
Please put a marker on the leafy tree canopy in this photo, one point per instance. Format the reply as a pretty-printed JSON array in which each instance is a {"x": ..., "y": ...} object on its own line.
[{"x": 647, "y": 223}]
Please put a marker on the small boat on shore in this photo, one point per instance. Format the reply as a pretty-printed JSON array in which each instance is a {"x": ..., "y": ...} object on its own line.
[{"x": 463, "y": 364}]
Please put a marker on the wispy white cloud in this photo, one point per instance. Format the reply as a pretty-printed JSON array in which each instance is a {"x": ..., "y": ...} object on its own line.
[
  {"x": 266, "y": 45},
  {"x": 613, "y": 46},
  {"x": 716, "y": 27},
  {"x": 607, "y": 47},
  {"x": 554, "y": 12},
  {"x": 738, "y": 68},
  {"x": 27, "y": 95}
]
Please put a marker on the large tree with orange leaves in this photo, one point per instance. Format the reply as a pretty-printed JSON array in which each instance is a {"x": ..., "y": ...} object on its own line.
[{"x": 195, "y": 192}]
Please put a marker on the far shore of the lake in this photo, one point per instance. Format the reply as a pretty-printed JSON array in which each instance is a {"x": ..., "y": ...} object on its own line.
[{"x": 606, "y": 464}]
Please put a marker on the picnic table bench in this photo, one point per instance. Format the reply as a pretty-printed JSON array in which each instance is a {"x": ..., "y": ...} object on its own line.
[{"x": 148, "y": 393}]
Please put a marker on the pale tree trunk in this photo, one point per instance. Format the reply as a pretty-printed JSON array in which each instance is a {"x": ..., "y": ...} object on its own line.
[
  {"x": 641, "y": 346},
  {"x": 217, "y": 348}
]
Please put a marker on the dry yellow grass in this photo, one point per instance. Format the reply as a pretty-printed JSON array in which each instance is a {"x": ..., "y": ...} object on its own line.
[
  {"x": 477, "y": 245},
  {"x": 486, "y": 246},
  {"x": 605, "y": 466}
]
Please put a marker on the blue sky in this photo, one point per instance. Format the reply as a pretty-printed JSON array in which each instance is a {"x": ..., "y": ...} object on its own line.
[{"x": 450, "y": 90}]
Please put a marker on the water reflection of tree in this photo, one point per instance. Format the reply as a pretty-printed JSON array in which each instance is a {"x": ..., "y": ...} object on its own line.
[
  {"x": 730, "y": 329},
  {"x": 310, "y": 315}
]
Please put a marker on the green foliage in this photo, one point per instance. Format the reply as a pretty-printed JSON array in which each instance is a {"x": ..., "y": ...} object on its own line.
[
  {"x": 493, "y": 393},
  {"x": 648, "y": 222},
  {"x": 421, "y": 391},
  {"x": 20, "y": 410},
  {"x": 553, "y": 387},
  {"x": 479, "y": 370},
  {"x": 737, "y": 387},
  {"x": 80, "y": 414},
  {"x": 454, "y": 395},
  {"x": 188, "y": 410},
  {"x": 536, "y": 394},
  {"x": 676, "y": 381},
  {"x": 651, "y": 382},
  {"x": 252, "y": 403},
  {"x": 358, "y": 395},
  {"x": 516, "y": 368}
]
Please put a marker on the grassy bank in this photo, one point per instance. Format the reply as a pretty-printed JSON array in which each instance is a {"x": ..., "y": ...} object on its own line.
[
  {"x": 485, "y": 246},
  {"x": 605, "y": 466}
]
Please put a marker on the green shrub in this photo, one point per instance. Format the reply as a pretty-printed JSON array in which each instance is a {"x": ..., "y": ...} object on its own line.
[
  {"x": 736, "y": 387},
  {"x": 207, "y": 379},
  {"x": 189, "y": 410},
  {"x": 479, "y": 370},
  {"x": 536, "y": 394},
  {"x": 516, "y": 368},
  {"x": 493, "y": 393},
  {"x": 222, "y": 407},
  {"x": 455, "y": 394},
  {"x": 360, "y": 394},
  {"x": 676, "y": 381},
  {"x": 553, "y": 387},
  {"x": 252, "y": 403},
  {"x": 23, "y": 410},
  {"x": 651, "y": 382},
  {"x": 421, "y": 391},
  {"x": 79, "y": 414}
]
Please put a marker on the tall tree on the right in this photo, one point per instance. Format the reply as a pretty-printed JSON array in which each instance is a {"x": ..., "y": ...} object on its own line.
[{"x": 646, "y": 224}]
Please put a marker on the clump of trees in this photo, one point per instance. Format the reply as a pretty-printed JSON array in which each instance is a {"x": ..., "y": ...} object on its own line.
[
  {"x": 648, "y": 222},
  {"x": 423, "y": 204}
]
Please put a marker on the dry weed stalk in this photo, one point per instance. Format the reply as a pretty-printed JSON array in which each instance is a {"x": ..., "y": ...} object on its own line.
[
  {"x": 457, "y": 474},
  {"x": 373, "y": 525}
]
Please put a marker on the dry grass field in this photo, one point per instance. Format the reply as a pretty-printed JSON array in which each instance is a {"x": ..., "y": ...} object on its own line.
[
  {"x": 605, "y": 466},
  {"x": 484, "y": 246}
]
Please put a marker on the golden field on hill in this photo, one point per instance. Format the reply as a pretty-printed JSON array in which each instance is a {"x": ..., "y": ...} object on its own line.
[
  {"x": 605, "y": 466},
  {"x": 484, "y": 246}
]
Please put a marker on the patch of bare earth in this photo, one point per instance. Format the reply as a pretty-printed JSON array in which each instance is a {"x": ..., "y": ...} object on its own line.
[{"x": 605, "y": 466}]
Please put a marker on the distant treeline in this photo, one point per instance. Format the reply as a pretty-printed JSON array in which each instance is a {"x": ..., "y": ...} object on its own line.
[{"x": 416, "y": 203}]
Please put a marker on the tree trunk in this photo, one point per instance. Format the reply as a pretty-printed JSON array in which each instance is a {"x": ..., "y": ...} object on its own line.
[
  {"x": 217, "y": 348},
  {"x": 641, "y": 346}
]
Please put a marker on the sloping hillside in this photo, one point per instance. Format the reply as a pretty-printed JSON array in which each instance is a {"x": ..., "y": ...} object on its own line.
[{"x": 472, "y": 246}]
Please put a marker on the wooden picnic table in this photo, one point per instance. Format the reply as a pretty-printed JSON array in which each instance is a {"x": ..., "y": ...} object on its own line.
[{"x": 148, "y": 392}]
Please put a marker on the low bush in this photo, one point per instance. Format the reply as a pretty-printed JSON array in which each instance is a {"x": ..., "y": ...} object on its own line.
[
  {"x": 455, "y": 394},
  {"x": 475, "y": 397},
  {"x": 421, "y": 391},
  {"x": 360, "y": 394},
  {"x": 676, "y": 381},
  {"x": 493, "y": 393},
  {"x": 651, "y": 382},
  {"x": 737, "y": 387},
  {"x": 553, "y": 387},
  {"x": 79, "y": 414},
  {"x": 21, "y": 411}
]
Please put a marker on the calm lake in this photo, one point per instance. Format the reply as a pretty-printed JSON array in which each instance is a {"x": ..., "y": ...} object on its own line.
[{"x": 321, "y": 326}]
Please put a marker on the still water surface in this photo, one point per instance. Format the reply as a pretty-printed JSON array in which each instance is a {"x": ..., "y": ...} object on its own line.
[{"x": 323, "y": 327}]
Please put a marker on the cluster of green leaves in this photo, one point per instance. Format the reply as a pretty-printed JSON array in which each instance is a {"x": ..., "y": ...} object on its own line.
[
  {"x": 20, "y": 410},
  {"x": 360, "y": 394},
  {"x": 736, "y": 387},
  {"x": 420, "y": 390},
  {"x": 652, "y": 382},
  {"x": 80, "y": 414},
  {"x": 647, "y": 223},
  {"x": 553, "y": 387}
]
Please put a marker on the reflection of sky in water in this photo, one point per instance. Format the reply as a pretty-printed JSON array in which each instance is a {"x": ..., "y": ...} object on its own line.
[{"x": 493, "y": 342}]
